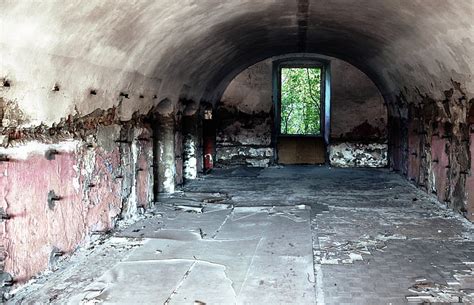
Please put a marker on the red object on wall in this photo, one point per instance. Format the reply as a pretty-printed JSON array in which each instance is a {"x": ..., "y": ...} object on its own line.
[
  {"x": 209, "y": 135},
  {"x": 208, "y": 160}
]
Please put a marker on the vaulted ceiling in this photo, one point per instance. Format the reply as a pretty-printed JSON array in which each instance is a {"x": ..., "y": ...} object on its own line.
[{"x": 192, "y": 49}]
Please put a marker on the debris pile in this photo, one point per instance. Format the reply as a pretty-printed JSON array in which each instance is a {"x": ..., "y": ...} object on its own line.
[{"x": 334, "y": 252}]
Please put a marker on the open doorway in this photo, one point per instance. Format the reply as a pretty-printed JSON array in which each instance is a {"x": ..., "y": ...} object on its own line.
[
  {"x": 300, "y": 112},
  {"x": 249, "y": 131},
  {"x": 300, "y": 103}
]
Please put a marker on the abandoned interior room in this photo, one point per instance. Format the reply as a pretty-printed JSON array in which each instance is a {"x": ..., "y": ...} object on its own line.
[{"x": 236, "y": 152}]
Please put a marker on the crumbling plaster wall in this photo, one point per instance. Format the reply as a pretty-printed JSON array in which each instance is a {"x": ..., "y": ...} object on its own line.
[
  {"x": 432, "y": 143},
  {"x": 95, "y": 169},
  {"x": 244, "y": 119},
  {"x": 358, "y": 119},
  {"x": 60, "y": 184}
]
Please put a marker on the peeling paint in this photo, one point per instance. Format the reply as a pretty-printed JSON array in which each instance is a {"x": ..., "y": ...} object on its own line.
[
  {"x": 261, "y": 157},
  {"x": 23, "y": 152},
  {"x": 433, "y": 146},
  {"x": 190, "y": 163},
  {"x": 358, "y": 155},
  {"x": 10, "y": 114},
  {"x": 166, "y": 154},
  {"x": 89, "y": 186}
]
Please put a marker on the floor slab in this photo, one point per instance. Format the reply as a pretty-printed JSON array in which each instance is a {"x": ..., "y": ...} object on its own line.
[{"x": 283, "y": 235}]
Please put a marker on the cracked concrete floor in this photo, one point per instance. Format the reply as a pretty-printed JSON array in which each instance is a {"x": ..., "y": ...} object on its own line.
[{"x": 283, "y": 235}]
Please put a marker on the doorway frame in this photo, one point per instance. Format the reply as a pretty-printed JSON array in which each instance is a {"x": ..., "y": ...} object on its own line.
[{"x": 302, "y": 61}]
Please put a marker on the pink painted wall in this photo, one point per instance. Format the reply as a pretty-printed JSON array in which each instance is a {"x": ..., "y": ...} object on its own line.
[
  {"x": 33, "y": 228},
  {"x": 102, "y": 192},
  {"x": 144, "y": 174},
  {"x": 90, "y": 201}
]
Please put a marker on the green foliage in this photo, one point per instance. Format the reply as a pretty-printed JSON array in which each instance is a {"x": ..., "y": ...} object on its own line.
[{"x": 300, "y": 101}]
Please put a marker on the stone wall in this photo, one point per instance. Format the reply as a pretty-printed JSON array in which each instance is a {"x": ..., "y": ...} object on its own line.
[{"x": 358, "y": 119}]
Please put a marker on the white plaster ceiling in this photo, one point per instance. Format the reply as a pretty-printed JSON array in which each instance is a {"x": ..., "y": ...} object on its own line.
[{"x": 170, "y": 49}]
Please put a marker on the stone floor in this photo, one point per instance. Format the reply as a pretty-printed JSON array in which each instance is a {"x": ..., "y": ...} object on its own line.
[{"x": 244, "y": 236}]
